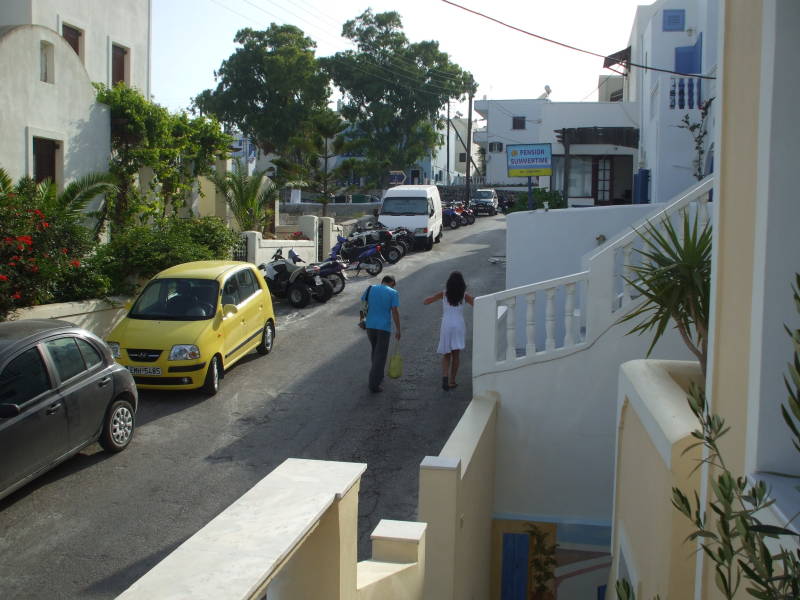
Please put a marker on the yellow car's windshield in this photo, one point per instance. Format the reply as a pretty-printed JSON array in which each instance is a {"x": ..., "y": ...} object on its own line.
[{"x": 177, "y": 299}]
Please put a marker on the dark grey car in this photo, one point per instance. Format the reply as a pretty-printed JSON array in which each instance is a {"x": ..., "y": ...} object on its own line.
[{"x": 60, "y": 390}]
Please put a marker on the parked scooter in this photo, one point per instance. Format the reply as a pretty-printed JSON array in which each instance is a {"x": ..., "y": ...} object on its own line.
[
  {"x": 367, "y": 257},
  {"x": 297, "y": 283},
  {"x": 331, "y": 269}
]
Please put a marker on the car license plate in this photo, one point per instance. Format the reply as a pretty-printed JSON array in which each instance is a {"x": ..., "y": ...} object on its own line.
[
  {"x": 144, "y": 370},
  {"x": 318, "y": 280}
]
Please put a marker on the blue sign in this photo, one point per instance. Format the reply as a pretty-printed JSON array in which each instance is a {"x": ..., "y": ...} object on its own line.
[
  {"x": 529, "y": 160},
  {"x": 396, "y": 177}
]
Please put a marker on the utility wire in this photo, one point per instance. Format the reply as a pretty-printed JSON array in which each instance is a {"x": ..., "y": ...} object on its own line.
[{"x": 562, "y": 44}]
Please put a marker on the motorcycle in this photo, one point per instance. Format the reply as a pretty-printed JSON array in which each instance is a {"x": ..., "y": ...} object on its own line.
[
  {"x": 367, "y": 257},
  {"x": 450, "y": 218},
  {"x": 331, "y": 269},
  {"x": 467, "y": 215},
  {"x": 391, "y": 250},
  {"x": 296, "y": 283}
]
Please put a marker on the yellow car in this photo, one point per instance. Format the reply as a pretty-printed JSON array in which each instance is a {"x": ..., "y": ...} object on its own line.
[{"x": 193, "y": 321}]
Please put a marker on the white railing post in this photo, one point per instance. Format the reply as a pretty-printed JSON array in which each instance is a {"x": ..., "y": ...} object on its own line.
[
  {"x": 511, "y": 348},
  {"x": 530, "y": 325},
  {"x": 484, "y": 328},
  {"x": 569, "y": 321},
  {"x": 550, "y": 320},
  {"x": 627, "y": 271},
  {"x": 702, "y": 209}
]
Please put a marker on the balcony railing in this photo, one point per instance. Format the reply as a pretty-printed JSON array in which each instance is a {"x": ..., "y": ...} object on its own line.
[
  {"x": 545, "y": 320},
  {"x": 685, "y": 93}
]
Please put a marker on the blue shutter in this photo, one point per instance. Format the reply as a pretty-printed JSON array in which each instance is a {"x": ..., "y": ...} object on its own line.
[{"x": 514, "y": 581}]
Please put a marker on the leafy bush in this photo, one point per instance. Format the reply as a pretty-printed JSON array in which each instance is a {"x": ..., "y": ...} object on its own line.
[
  {"x": 142, "y": 251},
  {"x": 45, "y": 244},
  {"x": 540, "y": 196}
]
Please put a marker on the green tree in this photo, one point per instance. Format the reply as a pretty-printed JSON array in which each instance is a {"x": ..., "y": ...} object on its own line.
[
  {"x": 394, "y": 91},
  {"x": 269, "y": 87},
  {"x": 146, "y": 135},
  {"x": 328, "y": 127},
  {"x": 250, "y": 197}
]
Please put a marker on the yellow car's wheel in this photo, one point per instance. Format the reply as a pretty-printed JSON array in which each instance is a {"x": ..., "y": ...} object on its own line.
[{"x": 211, "y": 384}]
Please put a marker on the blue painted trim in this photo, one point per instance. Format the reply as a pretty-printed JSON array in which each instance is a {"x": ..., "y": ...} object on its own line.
[{"x": 570, "y": 531}]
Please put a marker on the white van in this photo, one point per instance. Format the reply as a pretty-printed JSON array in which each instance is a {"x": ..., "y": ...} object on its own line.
[{"x": 417, "y": 207}]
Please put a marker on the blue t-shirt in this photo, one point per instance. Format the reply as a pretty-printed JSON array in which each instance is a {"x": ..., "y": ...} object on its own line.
[{"x": 380, "y": 302}]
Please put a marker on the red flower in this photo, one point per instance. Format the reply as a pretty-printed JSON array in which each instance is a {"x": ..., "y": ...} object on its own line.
[
  {"x": 3, "y": 278},
  {"x": 25, "y": 239},
  {"x": 16, "y": 295},
  {"x": 75, "y": 263},
  {"x": 34, "y": 269},
  {"x": 64, "y": 250}
]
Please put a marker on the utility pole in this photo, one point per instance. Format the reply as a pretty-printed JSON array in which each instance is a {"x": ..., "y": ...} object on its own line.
[
  {"x": 565, "y": 141},
  {"x": 469, "y": 147},
  {"x": 448, "y": 141}
]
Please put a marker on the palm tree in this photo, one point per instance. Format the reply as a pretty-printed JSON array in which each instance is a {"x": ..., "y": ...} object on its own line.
[
  {"x": 250, "y": 197},
  {"x": 69, "y": 205}
]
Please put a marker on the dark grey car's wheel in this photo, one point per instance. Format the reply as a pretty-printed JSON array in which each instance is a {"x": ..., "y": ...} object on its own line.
[
  {"x": 267, "y": 338},
  {"x": 211, "y": 384},
  {"x": 118, "y": 426}
]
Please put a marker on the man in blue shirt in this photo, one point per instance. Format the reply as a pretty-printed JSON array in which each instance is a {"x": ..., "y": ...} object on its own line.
[{"x": 382, "y": 307}]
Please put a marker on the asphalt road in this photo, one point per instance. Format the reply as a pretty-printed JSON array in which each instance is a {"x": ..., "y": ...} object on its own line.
[{"x": 95, "y": 524}]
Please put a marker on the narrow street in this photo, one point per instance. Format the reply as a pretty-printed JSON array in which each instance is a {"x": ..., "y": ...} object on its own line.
[{"x": 96, "y": 523}]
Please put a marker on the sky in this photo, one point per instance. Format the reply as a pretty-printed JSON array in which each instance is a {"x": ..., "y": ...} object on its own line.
[{"x": 192, "y": 37}]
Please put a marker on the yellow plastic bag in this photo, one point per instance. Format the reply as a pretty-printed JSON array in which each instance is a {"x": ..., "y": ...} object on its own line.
[{"x": 396, "y": 365}]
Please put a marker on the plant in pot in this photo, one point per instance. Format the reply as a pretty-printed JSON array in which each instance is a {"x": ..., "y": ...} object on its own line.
[
  {"x": 674, "y": 278},
  {"x": 542, "y": 564}
]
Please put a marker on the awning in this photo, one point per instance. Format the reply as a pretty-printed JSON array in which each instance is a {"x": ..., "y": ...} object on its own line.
[{"x": 618, "y": 58}]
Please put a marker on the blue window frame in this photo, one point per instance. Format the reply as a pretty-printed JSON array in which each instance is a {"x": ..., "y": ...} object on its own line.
[{"x": 674, "y": 19}]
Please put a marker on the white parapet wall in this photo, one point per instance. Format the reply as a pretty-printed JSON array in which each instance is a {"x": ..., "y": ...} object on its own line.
[
  {"x": 455, "y": 500},
  {"x": 293, "y": 535},
  {"x": 98, "y": 316}
]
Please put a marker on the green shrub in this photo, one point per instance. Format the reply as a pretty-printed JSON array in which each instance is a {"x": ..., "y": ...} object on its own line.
[
  {"x": 142, "y": 251},
  {"x": 540, "y": 196}
]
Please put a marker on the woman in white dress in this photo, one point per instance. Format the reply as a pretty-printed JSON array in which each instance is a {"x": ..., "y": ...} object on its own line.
[{"x": 453, "y": 330}]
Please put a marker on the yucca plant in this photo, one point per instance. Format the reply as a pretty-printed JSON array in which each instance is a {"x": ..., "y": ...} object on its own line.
[
  {"x": 674, "y": 278},
  {"x": 250, "y": 197}
]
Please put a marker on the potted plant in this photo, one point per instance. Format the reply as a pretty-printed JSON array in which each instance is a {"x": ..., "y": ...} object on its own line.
[
  {"x": 542, "y": 564},
  {"x": 674, "y": 278}
]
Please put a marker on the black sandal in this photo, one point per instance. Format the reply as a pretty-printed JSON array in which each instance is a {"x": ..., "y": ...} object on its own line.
[{"x": 445, "y": 384}]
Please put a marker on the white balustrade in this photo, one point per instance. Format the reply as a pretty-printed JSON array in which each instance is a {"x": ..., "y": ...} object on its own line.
[
  {"x": 530, "y": 325},
  {"x": 511, "y": 348},
  {"x": 601, "y": 297},
  {"x": 627, "y": 270},
  {"x": 550, "y": 320},
  {"x": 569, "y": 310}
]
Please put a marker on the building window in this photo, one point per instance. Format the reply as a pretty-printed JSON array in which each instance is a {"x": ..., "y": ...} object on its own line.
[
  {"x": 74, "y": 37},
  {"x": 615, "y": 96},
  {"x": 46, "y": 65},
  {"x": 44, "y": 159},
  {"x": 495, "y": 146},
  {"x": 462, "y": 157},
  {"x": 674, "y": 20},
  {"x": 517, "y": 122},
  {"x": 119, "y": 64}
]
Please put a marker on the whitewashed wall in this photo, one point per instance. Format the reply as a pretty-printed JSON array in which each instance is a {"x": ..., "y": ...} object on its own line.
[
  {"x": 556, "y": 430},
  {"x": 122, "y": 22},
  {"x": 65, "y": 110}
]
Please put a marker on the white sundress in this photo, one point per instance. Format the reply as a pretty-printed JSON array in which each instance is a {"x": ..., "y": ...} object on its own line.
[{"x": 453, "y": 330}]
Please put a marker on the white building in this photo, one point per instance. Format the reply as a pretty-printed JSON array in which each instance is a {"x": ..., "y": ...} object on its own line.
[
  {"x": 679, "y": 36},
  {"x": 602, "y": 138},
  {"x": 50, "y": 53}
]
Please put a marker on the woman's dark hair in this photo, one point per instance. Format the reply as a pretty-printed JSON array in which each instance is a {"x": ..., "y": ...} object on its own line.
[{"x": 456, "y": 286}]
